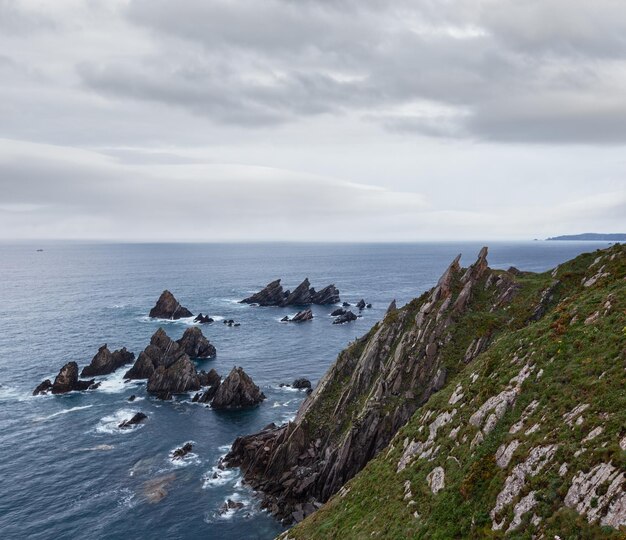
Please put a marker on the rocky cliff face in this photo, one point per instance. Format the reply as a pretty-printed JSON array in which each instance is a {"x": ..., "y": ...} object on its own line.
[
  {"x": 525, "y": 439},
  {"x": 376, "y": 385}
]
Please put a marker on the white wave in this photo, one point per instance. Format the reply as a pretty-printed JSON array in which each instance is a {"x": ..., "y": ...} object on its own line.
[
  {"x": 9, "y": 393},
  {"x": 276, "y": 404},
  {"x": 97, "y": 448},
  {"x": 185, "y": 321},
  {"x": 289, "y": 417},
  {"x": 110, "y": 424},
  {"x": 225, "y": 448},
  {"x": 127, "y": 498},
  {"x": 218, "y": 477},
  {"x": 59, "y": 413},
  {"x": 114, "y": 383},
  {"x": 284, "y": 388},
  {"x": 217, "y": 317}
]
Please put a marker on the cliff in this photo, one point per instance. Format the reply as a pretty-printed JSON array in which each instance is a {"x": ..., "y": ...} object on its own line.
[{"x": 525, "y": 439}]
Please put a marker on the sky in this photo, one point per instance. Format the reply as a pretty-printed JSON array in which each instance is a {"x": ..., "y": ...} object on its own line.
[{"x": 311, "y": 120}]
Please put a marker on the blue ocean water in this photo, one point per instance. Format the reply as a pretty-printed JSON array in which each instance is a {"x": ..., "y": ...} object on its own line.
[{"x": 66, "y": 471}]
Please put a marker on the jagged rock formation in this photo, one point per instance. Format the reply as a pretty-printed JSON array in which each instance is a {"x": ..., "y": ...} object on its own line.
[
  {"x": 167, "y": 307},
  {"x": 212, "y": 380},
  {"x": 378, "y": 383},
  {"x": 526, "y": 439},
  {"x": 203, "y": 319},
  {"x": 177, "y": 378},
  {"x": 137, "y": 418},
  {"x": 195, "y": 345},
  {"x": 66, "y": 381},
  {"x": 345, "y": 317},
  {"x": 237, "y": 391},
  {"x": 303, "y": 295},
  {"x": 301, "y": 316},
  {"x": 181, "y": 452},
  {"x": 105, "y": 361},
  {"x": 162, "y": 351}
]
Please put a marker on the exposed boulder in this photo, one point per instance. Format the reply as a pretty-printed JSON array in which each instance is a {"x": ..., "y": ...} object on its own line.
[
  {"x": 66, "y": 381},
  {"x": 136, "y": 419},
  {"x": 132, "y": 398},
  {"x": 195, "y": 345},
  {"x": 167, "y": 307},
  {"x": 301, "y": 316},
  {"x": 203, "y": 319},
  {"x": 162, "y": 351},
  {"x": 346, "y": 304},
  {"x": 229, "y": 504},
  {"x": 181, "y": 452},
  {"x": 43, "y": 388},
  {"x": 361, "y": 304},
  {"x": 338, "y": 312},
  {"x": 236, "y": 391},
  {"x": 348, "y": 316},
  {"x": 271, "y": 295},
  {"x": 301, "y": 383},
  {"x": 105, "y": 361}
]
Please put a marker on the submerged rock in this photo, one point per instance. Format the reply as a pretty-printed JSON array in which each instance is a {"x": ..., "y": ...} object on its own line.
[
  {"x": 167, "y": 307},
  {"x": 229, "y": 504},
  {"x": 136, "y": 419},
  {"x": 348, "y": 316},
  {"x": 155, "y": 490},
  {"x": 237, "y": 391},
  {"x": 195, "y": 345},
  {"x": 105, "y": 361}
]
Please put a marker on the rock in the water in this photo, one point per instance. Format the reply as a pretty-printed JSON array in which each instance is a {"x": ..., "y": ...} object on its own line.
[
  {"x": 301, "y": 383},
  {"x": 203, "y": 319},
  {"x": 346, "y": 304},
  {"x": 66, "y": 381},
  {"x": 156, "y": 489},
  {"x": 105, "y": 361},
  {"x": 167, "y": 307},
  {"x": 136, "y": 419},
  {"x": 368, "y": 306},
  {"x": 162, "y": 351},
  {"x": 361, "y": 304},
  {"x": 132, "y": 398},
  {"x": 229, "y": 504},
  {"x": 271, "y": 295},
  {"x": 237, "y": 391},
  {"x": 179, "y": 377},
  {"x": 303, "y": 295},
  {"x": 181, "y": 452},
  {"x": 348, "y": 316},
  {"x": 302, "y": 316},
  {"x": 328, "y": 295},
  {"x": 195, "y": 345},
  {"x": 338, "y": 312},
  {"x": 209, "y": 379},
  {"x": 285, "y": 319},
  {"x": 43, "y": 388}
]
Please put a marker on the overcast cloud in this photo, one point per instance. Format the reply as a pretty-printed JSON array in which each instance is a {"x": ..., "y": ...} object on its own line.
[{"x": 311, "y": 119}]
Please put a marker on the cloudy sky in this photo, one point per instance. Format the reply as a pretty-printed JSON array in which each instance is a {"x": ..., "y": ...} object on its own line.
[{"x": 217, "y": 120}]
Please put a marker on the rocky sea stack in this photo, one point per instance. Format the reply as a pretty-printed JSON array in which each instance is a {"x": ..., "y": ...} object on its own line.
[
  {"x": 237, "y": 391},
  {"x": 167, "y": 307},
  {"x": 105, "y": 362},
  {"x": 303, "y": 295},
  {"x": 66, "y": 381},
  {"x": 195, "y": 345},
  {"x": 474, "y": 411}
]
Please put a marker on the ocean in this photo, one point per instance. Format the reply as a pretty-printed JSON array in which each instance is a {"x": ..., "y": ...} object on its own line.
[{"x": 68, "y": 471}]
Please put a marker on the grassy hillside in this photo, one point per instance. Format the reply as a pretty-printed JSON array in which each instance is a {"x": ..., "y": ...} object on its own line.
[{"x": 528, "y": 438}]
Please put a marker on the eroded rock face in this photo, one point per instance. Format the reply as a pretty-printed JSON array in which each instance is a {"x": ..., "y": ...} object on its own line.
[
  {"x": 400, "y": 361},
  {"x": 301, "y": 316},
  {"x": 137, "y": 418},
  {"x": 177, "y": 378},
  {"x": 195, "y": 345},
  {"x": 105, "y": 362},
  {"x": 66, "y": 381},
  {"x": 303, "y": 295},
  {"x": 167, "y": 307},
  {"x": 237, "y": 391},
  {"x": 162, "y": 351}
]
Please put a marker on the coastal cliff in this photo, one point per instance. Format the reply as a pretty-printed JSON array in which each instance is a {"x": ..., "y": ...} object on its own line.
[
  {"x": 505, "y": 329},
  {"x": 527, "y": 436}
]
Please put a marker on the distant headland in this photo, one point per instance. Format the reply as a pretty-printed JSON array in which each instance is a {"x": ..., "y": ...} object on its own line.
[{"x": 612, "y": 237}]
